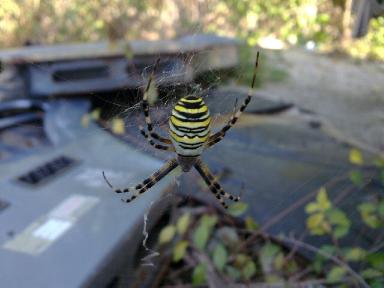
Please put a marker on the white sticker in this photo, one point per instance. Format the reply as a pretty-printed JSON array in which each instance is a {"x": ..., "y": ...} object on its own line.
[
  {"x": 52, "y": 229},
  {"x": 48, "y": 228},
  {"x": 73, "y": 207}
]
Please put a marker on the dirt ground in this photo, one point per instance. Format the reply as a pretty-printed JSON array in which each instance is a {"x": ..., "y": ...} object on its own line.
[{"x": 345, "y": 93}]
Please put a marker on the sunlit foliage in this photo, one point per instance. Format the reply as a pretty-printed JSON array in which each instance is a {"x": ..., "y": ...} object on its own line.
[{"x": 294, "y": 22}]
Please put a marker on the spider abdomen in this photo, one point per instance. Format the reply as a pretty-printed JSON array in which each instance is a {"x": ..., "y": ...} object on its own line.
[{"x": 189, "y": 126}]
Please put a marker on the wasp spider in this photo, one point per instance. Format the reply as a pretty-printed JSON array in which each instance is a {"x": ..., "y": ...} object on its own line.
[{"x": 189, "y": 129}]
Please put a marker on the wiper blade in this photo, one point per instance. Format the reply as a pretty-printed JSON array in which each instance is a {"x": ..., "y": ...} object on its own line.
[
  {"x": 19, "y": 119},
  {"x": 20, "y": 111},
  {"x": 22, "y": 104}
]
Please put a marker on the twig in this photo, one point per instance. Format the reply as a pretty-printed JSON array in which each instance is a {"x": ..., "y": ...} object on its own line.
[
  {"x": 302, "y": 284},
  {"x": 299, "y": 202},
  {"x": 161, "y": 274},
  {"x": 174, "y": 275},
  {"x": 294, "y": 278},
  {"x": 376, "y": 248},
  {"x": 184, "y": 286},
  {"x": 214, "y": 281},
  {"x": 344, "y": 194},
  {"x": 314, "y": 249},
  {"x": 295, "y": 248},
  {"x": 378, "y": 244},
  {"x": 195, "y": 210}
]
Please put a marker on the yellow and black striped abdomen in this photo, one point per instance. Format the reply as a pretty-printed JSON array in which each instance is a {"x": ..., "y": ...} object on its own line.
[{"x": 189, "y": 126}]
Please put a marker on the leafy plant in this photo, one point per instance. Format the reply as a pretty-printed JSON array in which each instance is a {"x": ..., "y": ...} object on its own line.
[
  {"x": 372, "y": 213},
  {"x": 295, "y": 22},
  {"x": 323, "y": 220},
  {"x": 204, "y": 244},
  {"x": 215, "y": 237},
  {"x": 326, "y": 219}
]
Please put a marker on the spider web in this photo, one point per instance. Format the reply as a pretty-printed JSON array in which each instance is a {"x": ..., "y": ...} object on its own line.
[
  {"x": 107, "y": 109},
  {"x": 121, "y": 117},
  {"x": 114, "y": 105}
]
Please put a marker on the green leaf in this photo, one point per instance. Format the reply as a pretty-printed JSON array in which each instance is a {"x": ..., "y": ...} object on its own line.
[
  {"x": 291, "y": 267},
  {"x": 228, "y": 236},
  {"x": 341, "y": 222},
  {"x": 354, "y": 254},
  {"x": 379, "y": 162},
  {"x": 318, "y": 265},
  {"x": 328, "y": 249},
  {"x": 237, "y": 209},
  {"x": 203, "y": 231},
  {"x": 220, "y": 256},
  {"x": 382, "y": 176},
  {"x": 279, "y": 261},
  {"x": 322, "y": 199},
  {"x": 376, "y": 260},
  {"x": 233, "y": 273},
  {"x": 372, "y": 221},
  {"x": 340, "y": 231},
  {"x": 356, "y": 178},
  {"x": 198, "y": 275},
  {"x": 208, "y": 220},
  {"x": 269, "y": 250},
  {"x": 273, "y": 278},
  {"x": 377, "y": 283},
  {"x": 337, "y": 216},
  {"x": 249, "y": 270},
  {"x": 267, "y": 256},
  {"x": 320, "y": 259},
  {"x": 240, "y": 260},
  {"x": 312, "y": 207},
  {"x": 179, "y": 250},
  {"x": 336, "y": 274},
  {"x": 368, "y": 214},
  {"x": 250, "y": 224},
  {"x": 200, "y": 236},
  {"x": 367, "y": 207},
  {"x": 167, "y": 234},
  {"x": 356, "y": 157},
  {"x": 371, "y": 273},
  {"x": 380, "y": 208},
  {"x": 183, "y": 223},
  {"x": 314, "y": 224}
]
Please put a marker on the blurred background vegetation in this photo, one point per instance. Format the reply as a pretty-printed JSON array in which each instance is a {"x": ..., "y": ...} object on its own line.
[{"x": 323, "y": 24}]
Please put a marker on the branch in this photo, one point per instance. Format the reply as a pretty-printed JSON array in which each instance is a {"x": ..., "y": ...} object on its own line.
[{"x": 314, "y": 249}]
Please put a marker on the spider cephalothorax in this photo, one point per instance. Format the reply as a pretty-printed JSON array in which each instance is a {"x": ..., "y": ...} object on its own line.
[{"x": 189, "y": 128}]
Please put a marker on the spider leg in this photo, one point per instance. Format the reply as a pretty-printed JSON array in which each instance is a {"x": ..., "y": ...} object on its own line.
[
  {"x": 112, "y": 187},
  {"x": 221, "y": 200},
  {"x": 154, "y": 136},
  {"x": 213, "y": 184},
  {"x": 217, "y": 137},
  {"x": 164, "y": 168},
  {"x": 153, "y": 143},
  {"x": 150, "y": 181},
  {"x": 151, "y": 134}
]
